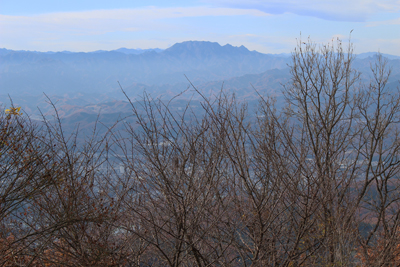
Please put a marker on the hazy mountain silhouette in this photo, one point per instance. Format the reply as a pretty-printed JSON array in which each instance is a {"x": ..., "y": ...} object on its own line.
[
  {"x": 83, "y": 85},
  {"x": 373, "y": 54},
  {"x": 137, "y": 51},
  {"x": 25, "y": 72}
]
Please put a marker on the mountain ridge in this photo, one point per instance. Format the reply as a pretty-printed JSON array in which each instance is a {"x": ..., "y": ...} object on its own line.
[
  {"x": 83, "y": 81},
  {"x": 32, "y": 73}
]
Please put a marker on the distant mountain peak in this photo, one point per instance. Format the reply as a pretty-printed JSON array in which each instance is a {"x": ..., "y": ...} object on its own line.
[
  {"x": 195, "y": 44},
  {"x": 205, "y": 49},
  {"x": 375, "y": 54},
  {"x": 137, "y": 51}
]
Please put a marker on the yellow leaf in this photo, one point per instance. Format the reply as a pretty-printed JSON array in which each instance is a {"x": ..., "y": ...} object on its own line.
[{"x": 13, "y": 111}]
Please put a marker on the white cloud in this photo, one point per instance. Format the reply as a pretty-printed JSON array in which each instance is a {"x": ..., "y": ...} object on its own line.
[
  {"x": 385, "y": 22},
  {"x": 388, "y": 46},
  {"x": 52, "y": 29},
  {"x": 341, "y": 10},
  {"x": 97, "y": 22},
  {"x": 113, "y": 19}
]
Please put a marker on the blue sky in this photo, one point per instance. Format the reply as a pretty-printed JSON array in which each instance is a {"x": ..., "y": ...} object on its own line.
[{"x": 269, "y": 26}]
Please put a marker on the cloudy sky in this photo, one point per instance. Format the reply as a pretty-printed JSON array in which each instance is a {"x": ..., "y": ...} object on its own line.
[{"x": 268, "y": 26}]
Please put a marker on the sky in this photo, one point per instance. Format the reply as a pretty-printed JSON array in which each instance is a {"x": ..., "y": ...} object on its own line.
[{"x": 267, "y": 26}]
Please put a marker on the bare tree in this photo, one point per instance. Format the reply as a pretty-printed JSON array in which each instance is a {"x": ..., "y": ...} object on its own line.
[
  {"x": 25, "y": 167},
  {"x": 79, "y": 213},
  {"x": 380, "y": 112},
  {"x": 351, "y": 132},
  {"x": 178, "y": 188}
]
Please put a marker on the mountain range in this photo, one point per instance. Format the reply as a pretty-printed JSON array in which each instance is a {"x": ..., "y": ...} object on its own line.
[
  {"x": 24, "y": 72},
  {"x": 88, "y": 83}
]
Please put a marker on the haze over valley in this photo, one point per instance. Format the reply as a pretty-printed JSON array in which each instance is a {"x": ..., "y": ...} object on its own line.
[{"x": 88, "y": 83}]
